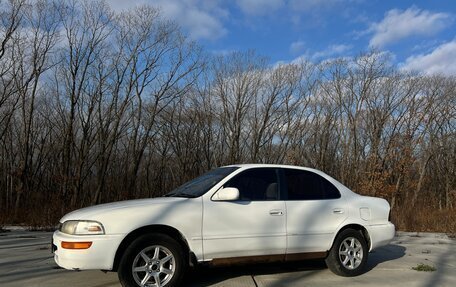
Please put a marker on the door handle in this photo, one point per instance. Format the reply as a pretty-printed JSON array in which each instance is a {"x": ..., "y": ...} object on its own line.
[
  {"x": 338, "y": 210},
  {"x": 276, "y": 212}
]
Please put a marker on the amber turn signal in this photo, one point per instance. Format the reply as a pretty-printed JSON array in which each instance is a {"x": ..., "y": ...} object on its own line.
[{"x": 76, "y": 245}]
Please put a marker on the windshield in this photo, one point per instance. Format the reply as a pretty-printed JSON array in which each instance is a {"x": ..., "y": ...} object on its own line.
[{"x": 200, "y": 185}]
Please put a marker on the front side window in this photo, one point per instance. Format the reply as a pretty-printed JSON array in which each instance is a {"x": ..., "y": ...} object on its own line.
[
  {"x": 307, "y": 185},
  {"x": 256, "y": 184},
  {"x": 200, "y": 185}
]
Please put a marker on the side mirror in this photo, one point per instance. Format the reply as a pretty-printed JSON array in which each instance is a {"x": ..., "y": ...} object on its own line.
[{"x": 226, "y": 194}]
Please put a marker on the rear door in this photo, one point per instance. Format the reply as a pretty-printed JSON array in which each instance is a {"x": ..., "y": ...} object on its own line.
[
  {"x": 254, "y": 225},
  {"x": 315, "y": 210}
]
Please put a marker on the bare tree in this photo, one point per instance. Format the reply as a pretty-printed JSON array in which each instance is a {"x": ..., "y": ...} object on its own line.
[
  {"x": 97, "y": 106},
  {"x": 32, "y": 48}
]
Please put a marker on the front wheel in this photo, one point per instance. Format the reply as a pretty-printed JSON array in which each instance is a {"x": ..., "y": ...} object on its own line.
[
  {"x": 152, "y": 260},
  {"x": 348, "y": 255}
]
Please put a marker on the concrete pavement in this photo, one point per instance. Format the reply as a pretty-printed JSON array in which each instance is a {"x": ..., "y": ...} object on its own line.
[{"x": 25, "y": 260}]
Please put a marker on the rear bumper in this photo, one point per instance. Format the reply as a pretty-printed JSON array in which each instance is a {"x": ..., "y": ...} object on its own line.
[
  {"x": 100, "y": 255},
  {"x": 381, "y": 234}
]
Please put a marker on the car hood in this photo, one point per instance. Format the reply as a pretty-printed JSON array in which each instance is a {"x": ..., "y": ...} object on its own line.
[{"x": 92, "y": 212}]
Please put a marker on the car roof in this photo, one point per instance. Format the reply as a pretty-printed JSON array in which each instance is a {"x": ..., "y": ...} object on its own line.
[{"x": 253, "y": 165}]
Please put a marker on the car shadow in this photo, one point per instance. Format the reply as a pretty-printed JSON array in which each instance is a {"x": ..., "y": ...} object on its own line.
[
  {"x": 383, "y": 254},
  {"x": 210, "y": 275}
]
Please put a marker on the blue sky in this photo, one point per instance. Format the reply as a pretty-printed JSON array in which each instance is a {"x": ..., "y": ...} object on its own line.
[{"x": 419, "y": 35}]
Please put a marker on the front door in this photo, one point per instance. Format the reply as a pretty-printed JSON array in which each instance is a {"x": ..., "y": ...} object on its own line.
[{"x": 254, "y": 225}]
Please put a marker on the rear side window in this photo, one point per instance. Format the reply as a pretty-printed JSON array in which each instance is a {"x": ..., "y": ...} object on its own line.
[
  {"x": 307, "y": 185},
  {"x": 256, "y": 184}
]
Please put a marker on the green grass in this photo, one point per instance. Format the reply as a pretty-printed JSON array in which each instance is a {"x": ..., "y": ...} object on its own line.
[{"x": 424, "y": 267}]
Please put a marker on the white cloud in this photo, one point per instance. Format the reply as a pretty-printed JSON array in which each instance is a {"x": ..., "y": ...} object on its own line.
[
  {"x": 296, "y": 47},
  {"x": 201, "y": 25},
  {"x": 333, "y": 50},
  {"x": 223, "y": 52},
  {"x": 259, "y": 7},
  {"x": 200, "y": 18},
  {"x": 397, "y": 25},
  {"x": 337, "y": 50},
  {"x": 442, "y": 60},
  {"x": 119, "y": 5}
]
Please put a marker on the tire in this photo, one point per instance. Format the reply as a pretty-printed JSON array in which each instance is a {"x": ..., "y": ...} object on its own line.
[
  {"x": 348, "y": 255},
  {"x": 152, "y": 258}
]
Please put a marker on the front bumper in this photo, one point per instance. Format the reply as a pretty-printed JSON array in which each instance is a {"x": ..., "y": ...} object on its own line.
[
  {"x": 99, "y": 256},
  {"x": 381, "y": 234}
]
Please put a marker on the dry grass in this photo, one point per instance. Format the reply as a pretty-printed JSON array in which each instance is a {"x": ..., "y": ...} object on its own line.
[
  {"x": 424, "y": 267},
  {"x": 425, "y": 219}
]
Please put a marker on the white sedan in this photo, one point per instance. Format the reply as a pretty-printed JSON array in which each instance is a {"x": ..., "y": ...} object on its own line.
[{"x": 232, "y": 214}]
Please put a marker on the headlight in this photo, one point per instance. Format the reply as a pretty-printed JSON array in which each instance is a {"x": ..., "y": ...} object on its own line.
[{"x": 82, "y": 227}]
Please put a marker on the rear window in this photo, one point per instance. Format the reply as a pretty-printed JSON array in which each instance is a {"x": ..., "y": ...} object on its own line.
[{"x": 307, "y": 185}]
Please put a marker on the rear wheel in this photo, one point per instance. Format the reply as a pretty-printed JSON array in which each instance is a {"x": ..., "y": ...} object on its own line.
[
  {"x": 152, "y": 260},
  {"x": 348, "y": 255}
]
